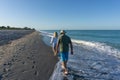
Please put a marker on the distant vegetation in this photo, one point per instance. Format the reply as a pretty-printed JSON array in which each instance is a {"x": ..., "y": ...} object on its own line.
[{"x": 14, "y": 28}]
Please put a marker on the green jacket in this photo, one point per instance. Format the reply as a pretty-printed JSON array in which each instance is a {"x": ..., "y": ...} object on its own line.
[{"x": 64, "y": 42}]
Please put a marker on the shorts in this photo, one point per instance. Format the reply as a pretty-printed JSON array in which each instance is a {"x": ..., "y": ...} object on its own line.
[{"x": 64, "y": 56}]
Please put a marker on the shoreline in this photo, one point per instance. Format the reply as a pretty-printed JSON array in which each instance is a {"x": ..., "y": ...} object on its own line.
[{"x": 27, "y": 58}]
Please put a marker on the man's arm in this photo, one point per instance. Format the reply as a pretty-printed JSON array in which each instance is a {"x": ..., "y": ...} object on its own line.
[{"x": 71, "y": 46}]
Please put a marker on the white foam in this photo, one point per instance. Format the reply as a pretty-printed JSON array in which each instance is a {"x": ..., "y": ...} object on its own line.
[
  {"x": 97, "y": 46},
  {"x": 46, "y": 34}
]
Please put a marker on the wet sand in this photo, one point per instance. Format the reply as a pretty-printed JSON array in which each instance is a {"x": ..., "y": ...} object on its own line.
[{"x": 26, "y": 58}]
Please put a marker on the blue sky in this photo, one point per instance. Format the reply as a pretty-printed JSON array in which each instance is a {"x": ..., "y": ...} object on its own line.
[{"x": 61, "y": 14}]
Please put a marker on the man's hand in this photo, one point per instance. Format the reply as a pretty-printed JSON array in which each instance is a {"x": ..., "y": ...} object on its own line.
[{"x": 71, "y": 52}]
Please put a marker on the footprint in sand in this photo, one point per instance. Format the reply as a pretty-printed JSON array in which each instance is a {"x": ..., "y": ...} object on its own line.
[
  {"x": 33, "y": 62},
  {"x": 6, "y": 70},
  {"x": 23, "y": 62},
  {"x": 33, "y": 66},
  {"x": 36, "y": 73},
  {"x": 23, "y": 71}
]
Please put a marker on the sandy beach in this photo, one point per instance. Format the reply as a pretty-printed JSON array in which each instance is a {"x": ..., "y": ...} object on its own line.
[{"x": 25, "y": 57}]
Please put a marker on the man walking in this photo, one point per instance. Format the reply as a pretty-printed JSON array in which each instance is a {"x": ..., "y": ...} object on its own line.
[{"x": 64, "y": 42}]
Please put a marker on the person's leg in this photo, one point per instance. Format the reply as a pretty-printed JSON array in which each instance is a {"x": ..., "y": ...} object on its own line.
[
  {"x": 64, "y": 57},
  {"x": 65, "y": 65},
  {"x": 62, "y": 60},
  {"x": 54, "y": 49}
]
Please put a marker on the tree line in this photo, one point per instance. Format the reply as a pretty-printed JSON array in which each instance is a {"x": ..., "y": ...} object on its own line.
[{"x": 15, "y": 28}]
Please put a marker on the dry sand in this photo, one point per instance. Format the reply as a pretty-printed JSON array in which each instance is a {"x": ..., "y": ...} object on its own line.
[{"x": 26, "y": 58}]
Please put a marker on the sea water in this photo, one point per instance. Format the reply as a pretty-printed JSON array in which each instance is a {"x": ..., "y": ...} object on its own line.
[{"x": 96, "y": 55}]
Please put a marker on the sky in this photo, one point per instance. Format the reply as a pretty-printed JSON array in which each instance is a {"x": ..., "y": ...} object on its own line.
[{"x": 61, "y": 14}]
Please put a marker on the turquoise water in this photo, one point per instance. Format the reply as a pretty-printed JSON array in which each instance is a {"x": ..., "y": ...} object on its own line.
[
  {"x": 96, "y": 55},
  {"x": 109, "y": 37}
]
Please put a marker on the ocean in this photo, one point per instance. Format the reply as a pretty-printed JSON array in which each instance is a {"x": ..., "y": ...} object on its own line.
[{"x": 96, "y": 55}]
